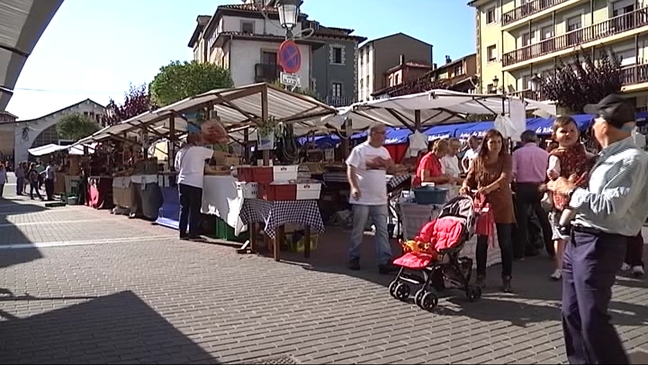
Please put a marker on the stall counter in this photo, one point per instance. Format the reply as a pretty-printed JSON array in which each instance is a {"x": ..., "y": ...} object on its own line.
[{"x": 220, "y": 197}]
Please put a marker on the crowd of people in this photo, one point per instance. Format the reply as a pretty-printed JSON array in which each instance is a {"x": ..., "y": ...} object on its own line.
[
  {"x": 37, "y": 176},
  {"x": 591, "y": 206}
]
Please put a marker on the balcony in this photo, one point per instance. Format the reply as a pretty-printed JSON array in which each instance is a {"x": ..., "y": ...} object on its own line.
[
  {"x": 528, "y": 9},
  {"x": 266, "y": 72},
  {"x": 594, "y": 32},
  {"x": 632, "y": 75},
  {"x": 339, "y": 101},
  {"x": 635, "y": 74}
]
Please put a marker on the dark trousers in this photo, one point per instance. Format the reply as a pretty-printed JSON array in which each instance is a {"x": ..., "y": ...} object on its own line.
[
  {"x": 634, "y": 254},
  {"x": 527, "y": 200},
  {"x": 49, "y": 188},
  {"x": 190, "y": 202},
  {"x": 590, "y": 264},
  {"x": 20, "y": 185},
  {"x": 33, "y": 187},
  {"x": 504, "y": 239}
]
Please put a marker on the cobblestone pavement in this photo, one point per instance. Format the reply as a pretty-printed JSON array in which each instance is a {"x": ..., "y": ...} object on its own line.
[{"x": 83, "y": 286}]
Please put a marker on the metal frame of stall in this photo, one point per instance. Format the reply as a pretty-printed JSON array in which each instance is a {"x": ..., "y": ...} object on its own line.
[{"x": 221, "y": 103}]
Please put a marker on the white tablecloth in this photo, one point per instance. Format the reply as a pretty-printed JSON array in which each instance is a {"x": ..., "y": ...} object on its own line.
[
  {"x": 221, "y": 198},
  {"x": 414, "y": 216}
]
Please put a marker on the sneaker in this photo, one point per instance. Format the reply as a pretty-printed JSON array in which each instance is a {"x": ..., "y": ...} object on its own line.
[
  {"x": 625, "y": 267},
  {"x": 557, "y": 275},
  {"x": 638, "y": 271},
  {"x": 354, "y": 264},
  {"x": 387, "y": 269}
]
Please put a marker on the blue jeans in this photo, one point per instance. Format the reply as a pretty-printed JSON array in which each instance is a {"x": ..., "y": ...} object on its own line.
[{"x": 379, "y": 215}]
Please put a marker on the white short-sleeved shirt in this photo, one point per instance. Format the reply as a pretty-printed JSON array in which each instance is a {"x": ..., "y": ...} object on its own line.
[
  {"x": 371, "y": 183},
  {"x": 190, "y": 164},
  {"x": 450, "y": 165}
]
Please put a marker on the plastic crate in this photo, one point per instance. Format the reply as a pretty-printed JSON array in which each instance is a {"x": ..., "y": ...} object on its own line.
[
  {"x": 296, "y": 241},
  {"x": 275, "y": 192},
  {"x": 225, "y": 232}
]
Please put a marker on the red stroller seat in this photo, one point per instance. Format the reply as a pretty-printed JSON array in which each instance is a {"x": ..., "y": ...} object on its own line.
[{"x": 442, "y": 234}]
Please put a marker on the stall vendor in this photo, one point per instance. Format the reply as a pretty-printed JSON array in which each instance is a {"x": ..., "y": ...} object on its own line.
[
  {"x": 430, "y": 168},
  {"x": 190, "y": 164}
]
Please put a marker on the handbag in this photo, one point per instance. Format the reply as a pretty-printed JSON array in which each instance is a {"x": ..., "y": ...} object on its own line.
[{"x": 485, "y": 218}]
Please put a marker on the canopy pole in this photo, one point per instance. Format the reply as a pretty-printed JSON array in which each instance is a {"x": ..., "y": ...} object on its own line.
[
  {"x": 172, "y": 139},
  {"x": 347, "y": 131},
  {"x": 246, "y": 144},
  {"x": 264, "y": 119},
  {"x": 417, "y": 120}
]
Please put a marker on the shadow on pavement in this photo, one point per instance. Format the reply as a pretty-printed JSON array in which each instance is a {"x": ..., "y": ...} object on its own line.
[
  {"x": 11, "y": 234},
  {"x": 109, "y": 329}
]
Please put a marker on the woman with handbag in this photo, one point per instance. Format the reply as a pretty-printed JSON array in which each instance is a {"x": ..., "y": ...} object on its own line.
[{"x": 490, "y": 174}]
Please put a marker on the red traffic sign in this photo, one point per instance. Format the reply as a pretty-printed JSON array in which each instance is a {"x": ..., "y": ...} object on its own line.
[{"x": 289, "y": 57}]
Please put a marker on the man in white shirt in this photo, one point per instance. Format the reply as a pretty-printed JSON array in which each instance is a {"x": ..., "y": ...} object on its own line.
[
  {"x": 471, "y": 153},
  {"x": 190, "y": 164},
  {"x": 367, "y": 167}
]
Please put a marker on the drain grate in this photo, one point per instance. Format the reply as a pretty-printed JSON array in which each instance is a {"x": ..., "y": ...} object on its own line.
[{"x": 275, "y": 360}]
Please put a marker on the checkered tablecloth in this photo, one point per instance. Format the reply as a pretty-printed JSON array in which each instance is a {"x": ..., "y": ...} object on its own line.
[
  {"x": 276, "y": 214},
  {"x": 392, "y": 181}
]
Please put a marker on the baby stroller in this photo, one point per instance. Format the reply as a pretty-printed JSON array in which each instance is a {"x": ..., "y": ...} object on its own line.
[{"x": 432, "y": 260}]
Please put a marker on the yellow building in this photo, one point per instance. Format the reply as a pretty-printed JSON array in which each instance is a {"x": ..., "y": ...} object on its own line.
[{"x": 519, "y": 40}]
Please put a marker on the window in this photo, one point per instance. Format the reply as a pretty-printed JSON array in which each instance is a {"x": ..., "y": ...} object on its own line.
[
  {"x": 269, "y": 58},
  {"x": 336, "y": 89},
  {"x": 526, "y": 82},
  {"x": 527, "y": 39},
  {"x": 247, "y": 27},
  {"x": 627, "y": 57},
  {"x": 336, "y": 56},
  {"x": 490, "y": 16},
  {"x": 573, "y": 24},
  {"x": 459, "y": 70},
  {"x": 491, "y": 53},
  {"x": 361, "y": 84},
  {"x": 546, "y": 43}
]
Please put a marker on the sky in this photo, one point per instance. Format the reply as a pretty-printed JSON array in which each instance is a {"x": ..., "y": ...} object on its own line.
[{"x": 97, "y": 49}]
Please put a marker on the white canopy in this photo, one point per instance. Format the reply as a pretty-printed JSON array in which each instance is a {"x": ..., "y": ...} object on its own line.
[
  {"x": 435, "y": 107},
  {"x": 51, "y": 148},
  {"x": 22, "y": 22}
]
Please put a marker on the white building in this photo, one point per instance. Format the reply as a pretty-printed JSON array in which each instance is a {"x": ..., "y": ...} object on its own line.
[
  {"x": 239, "y": 37},
  {"x": 41, "y": 131}
]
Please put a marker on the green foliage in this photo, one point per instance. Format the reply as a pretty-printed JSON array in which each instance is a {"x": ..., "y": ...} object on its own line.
[
  {"x": 177, "y": 81},
  {"x": 76, "y": 126}
]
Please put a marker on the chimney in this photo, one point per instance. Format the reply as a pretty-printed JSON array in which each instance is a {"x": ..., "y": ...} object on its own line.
[
  {"x": 402, "y": 59},
  {"x": 448, "y": 59}
]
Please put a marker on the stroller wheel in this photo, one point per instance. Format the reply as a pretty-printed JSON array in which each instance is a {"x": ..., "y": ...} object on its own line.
[
  {"x": 402, "y": 291},
  {"x": 473, "y": 293},
  {"x": 392, "y": 288},
  {"x": 429, "y": 301},
  {"x": 419, "y": 295}
]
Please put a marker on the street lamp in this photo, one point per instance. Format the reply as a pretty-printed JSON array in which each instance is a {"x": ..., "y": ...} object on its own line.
[
  {"x": 535, "y": 82},
  {"x": 288, "y": 14},
  {"x": 495, "y": 83}
]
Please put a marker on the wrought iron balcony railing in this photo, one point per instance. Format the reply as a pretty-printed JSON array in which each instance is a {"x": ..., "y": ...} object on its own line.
[{"x": 528, "y": 9}]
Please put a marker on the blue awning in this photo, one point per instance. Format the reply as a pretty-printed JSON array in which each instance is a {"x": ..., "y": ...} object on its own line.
[
  {"x": 441, "y": 131},
  {"x": 478, "y": 129},
  {"x": 544, "y": 126}
]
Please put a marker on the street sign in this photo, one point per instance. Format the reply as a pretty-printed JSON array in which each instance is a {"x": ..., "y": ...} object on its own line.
[
  {"x": 290, "y": 79},
  {"x": 289, "y": 57}
]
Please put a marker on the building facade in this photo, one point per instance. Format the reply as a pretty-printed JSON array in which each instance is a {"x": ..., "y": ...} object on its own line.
[
  {"x": 240, "y": 38},
  {"x": 520, "y": 40},
  {"x": 42, "y": 131},
  {"x": 7, "y": 126},
  {"x": 377, "y": 56},
  {"x": 335, "y": 72}
]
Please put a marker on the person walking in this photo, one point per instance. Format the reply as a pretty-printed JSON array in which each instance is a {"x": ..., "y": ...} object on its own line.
[
  {"x": 530, "y": 164},
  {"x": 50, "y": 177},
  {"x": 3, "y": 178},
  {"x": 33, "y": 176},
  {"x": 366, "y": 170},
  {"x": 612, "y": 208},
  {"x": 20, "y": 178}
]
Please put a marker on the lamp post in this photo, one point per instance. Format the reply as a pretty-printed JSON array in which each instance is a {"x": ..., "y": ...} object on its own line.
[
  {"x": 288, "y": 15},
  {"x": 495, "y": 84},
  {"x": 535, "y": 85}
]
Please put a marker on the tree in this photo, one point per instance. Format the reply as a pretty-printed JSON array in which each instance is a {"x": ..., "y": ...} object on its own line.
[
  {"x": 177, "y": 81},
  {"x": 583, "y": 81},
  {"x": 76, "y": 126},
  {"x": 136, "y": 101}
]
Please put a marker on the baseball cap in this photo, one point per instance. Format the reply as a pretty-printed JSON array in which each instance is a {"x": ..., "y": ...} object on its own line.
[{"x": 615, "y": 109}]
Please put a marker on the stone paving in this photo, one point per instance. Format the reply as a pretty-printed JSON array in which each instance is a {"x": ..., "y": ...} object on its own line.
[{"x": 79, "y": 285}]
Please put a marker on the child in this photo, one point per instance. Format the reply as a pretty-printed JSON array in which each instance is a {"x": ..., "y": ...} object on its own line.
[{"x": 569, "y": 160}]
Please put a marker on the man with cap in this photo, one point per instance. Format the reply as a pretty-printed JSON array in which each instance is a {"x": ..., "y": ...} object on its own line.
[{"x": 611, "y": 209}]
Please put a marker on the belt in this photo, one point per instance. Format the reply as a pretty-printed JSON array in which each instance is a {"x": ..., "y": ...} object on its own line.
[{"x": 594, "y": 231}]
